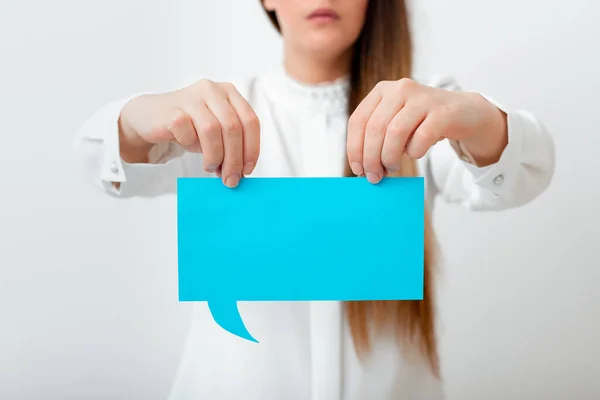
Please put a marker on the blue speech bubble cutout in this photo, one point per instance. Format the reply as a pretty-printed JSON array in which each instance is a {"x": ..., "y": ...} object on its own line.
[{"x": 298, "y": 239}]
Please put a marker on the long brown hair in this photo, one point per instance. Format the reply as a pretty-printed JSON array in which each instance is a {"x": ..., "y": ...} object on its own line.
[{"x": 383, "y": 51}]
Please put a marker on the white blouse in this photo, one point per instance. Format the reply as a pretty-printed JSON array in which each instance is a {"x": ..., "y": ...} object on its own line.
[{"x": 305, "y": 351}]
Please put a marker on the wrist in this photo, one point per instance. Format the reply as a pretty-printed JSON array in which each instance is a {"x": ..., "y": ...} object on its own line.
[
  {"x": 490, "y": 137},
  {"x": 132, "y": 147}
]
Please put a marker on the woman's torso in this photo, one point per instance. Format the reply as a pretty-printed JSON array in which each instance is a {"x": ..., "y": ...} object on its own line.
[{"x": 305, "y": 350}]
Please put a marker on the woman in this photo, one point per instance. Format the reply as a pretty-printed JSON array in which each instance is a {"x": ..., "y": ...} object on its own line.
[{"x": 342, "y": 103}]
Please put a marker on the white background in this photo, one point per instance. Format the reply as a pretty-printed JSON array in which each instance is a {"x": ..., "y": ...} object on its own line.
[{"x": 88, "y": 295}]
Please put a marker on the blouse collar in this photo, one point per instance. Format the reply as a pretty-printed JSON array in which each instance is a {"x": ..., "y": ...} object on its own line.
[{"x": 330, "y": 97}]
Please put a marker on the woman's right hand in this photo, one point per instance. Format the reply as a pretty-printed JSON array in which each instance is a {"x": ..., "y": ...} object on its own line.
[{"x": 207, "y": 117}]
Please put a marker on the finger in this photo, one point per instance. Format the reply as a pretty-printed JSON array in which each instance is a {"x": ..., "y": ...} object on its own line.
[
  {"x": 219, "y": 174},
  {"x": 231, "y": 129},
  {"x": 357, "y": 124},
  {"x": 182, "y": 129},
  {"x": 375, "y": 134},
  {"x": 184, "y": 133},
  {"x": 208, "y": 131},
  {"x": 426, "y": 135},
  {"x": 194, "y": 148},
  {"x": 398, "y": 134},
  {"x": 250, "y": 129}
]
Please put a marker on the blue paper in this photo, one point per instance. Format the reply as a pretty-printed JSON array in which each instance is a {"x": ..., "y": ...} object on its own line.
[{"x": 298, "y": 239}]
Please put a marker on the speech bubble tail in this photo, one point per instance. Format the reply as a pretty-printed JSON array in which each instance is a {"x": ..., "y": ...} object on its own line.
[{"x": 227, "y": 315}]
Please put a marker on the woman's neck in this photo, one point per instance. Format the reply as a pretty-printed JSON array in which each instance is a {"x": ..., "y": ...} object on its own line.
[{"x": 311, "y": 69}]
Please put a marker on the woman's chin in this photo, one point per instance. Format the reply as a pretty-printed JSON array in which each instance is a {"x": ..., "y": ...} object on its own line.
[{"x": 333, "y": 45}]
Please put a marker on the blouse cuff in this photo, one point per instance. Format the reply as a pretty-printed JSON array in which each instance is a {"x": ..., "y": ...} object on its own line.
[{"x": 140, "y": 174}]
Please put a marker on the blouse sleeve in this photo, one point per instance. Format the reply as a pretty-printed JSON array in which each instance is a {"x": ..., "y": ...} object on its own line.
[{"x": 524, "y": 170}]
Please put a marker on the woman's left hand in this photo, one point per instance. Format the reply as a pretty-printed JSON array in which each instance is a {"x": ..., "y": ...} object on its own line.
[{"x": 404, "y": 116}]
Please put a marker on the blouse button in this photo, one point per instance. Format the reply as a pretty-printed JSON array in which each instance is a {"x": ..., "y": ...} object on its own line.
[
  {"x": 499, "y": 180},
  {"x": 114, "y": 167}
]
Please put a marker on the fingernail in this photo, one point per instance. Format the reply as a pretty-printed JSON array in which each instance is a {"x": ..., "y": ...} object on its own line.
[
  {"x": 373, "y": 177},
  {"x": 357, "y": 169},
  {"x": 248, "y": 168},
  {"x": 232, "y": 180},
  {"x": 212, "y": 168},
  {"x": 392, "y": 170}
]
